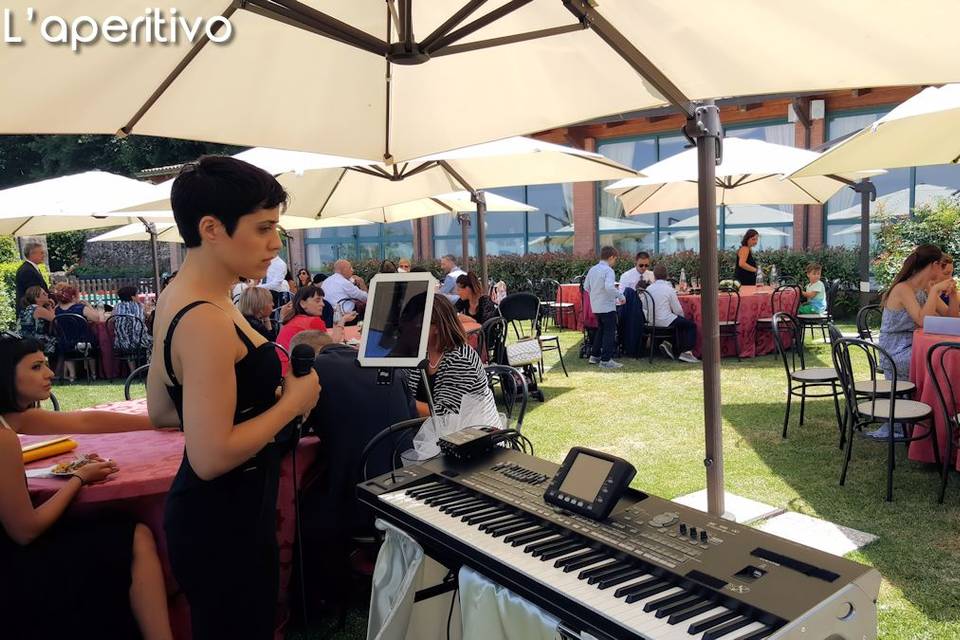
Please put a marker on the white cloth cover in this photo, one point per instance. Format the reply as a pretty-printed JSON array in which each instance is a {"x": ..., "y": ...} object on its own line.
[
  {"x": 474, "y": 410},
  {"x": 491, "y": 612},
  {"x": 401, "y": 570}
]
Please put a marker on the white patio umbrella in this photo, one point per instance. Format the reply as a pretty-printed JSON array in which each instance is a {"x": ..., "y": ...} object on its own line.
[
  {"x": 898, "y": 202},
  {"x": 924, "y": 130},
  {"x": 387, "y": 70},
  {"x": 166, "y": 230},
  {"x": 751, "y": 173}
]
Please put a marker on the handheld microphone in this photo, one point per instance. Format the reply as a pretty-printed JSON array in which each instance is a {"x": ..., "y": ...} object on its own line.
[{"x": 301, "y": 359}]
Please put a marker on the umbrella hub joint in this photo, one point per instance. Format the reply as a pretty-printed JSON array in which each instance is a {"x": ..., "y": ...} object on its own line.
[
  {"x": 705, "y": 123},
  {"x": 402, "y": 53}
]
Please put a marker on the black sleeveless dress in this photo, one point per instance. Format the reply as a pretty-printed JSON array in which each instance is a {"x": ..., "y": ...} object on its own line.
[
  {"x": 744, "y": 277},
  {"x": 221, "y": 533}
]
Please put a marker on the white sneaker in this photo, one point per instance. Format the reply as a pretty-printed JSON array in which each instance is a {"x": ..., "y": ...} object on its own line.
[
  {"x": 594, "y": 360},
  {"x": 687, "y": 356},
  {"x": 667, "y": 348},
  {"x": 611, "y": 364}
]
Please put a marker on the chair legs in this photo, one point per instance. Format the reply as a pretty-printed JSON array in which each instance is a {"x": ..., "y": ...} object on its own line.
[
  {"x": 849, "y": 451},
  {"x": 786, "y": 417},
  {"x": 803, "y": 402}
]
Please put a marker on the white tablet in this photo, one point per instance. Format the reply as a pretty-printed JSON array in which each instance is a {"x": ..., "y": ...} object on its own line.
[{"x": 396, "y": 322}]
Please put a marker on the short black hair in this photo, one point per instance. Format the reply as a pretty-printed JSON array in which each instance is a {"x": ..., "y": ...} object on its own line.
[
  {"x": 319, "y": 277},
  {"x": 126, "y": 294},
  {"x": 642, "y": 254},
  {"x": 305, "y": 293},
  {"x": 12, "y": 350},
  {"x": 607, "y": 252},
  {"x": 222, "y": 187}
]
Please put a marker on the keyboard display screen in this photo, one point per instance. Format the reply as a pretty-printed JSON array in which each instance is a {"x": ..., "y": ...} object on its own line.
[{"x": 586, "y": 476}]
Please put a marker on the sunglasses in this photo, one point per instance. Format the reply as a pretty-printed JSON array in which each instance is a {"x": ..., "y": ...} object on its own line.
[{"x": 643, "y": 266}]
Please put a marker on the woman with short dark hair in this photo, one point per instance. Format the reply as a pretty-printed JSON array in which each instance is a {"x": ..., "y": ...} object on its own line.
[
  {"x": 115, "y": 572},
  {"x": 473, "y": 302},
  {"x": 217, "y": 379},
  {"x": 307, "y": 315},
  {"x": 746, "y": 270}
]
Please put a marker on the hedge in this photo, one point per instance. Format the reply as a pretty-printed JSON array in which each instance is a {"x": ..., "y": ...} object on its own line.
[{"x": 838, "y": 263}]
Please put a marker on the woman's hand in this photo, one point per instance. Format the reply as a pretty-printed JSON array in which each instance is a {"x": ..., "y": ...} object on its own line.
[
  {"x": 96, "y": 471},
  {"x": 302, "y": 391}
]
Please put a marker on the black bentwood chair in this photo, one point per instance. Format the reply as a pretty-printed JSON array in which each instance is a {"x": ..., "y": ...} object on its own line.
[
  {"x": 869, "y": 319},
  {"x": 784, "y": 299},
  {"x": 788, "y": 337},
  {"x": 875, "y": 408},
  {"x": 939, "y": 377},
  {"x": 729, "y": 308}
]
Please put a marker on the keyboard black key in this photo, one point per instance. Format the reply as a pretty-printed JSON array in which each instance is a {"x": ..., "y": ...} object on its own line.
[
  {"x": 683, "y": 605},
  {"x": 503, "y": 530},
  {"x": 586, "y": 553},
  {"x": 643, "y": 594},
  {"x": 486, "y": 517},
  {"x": 493, "y": 524},
  {"x": 566, "y": 544},
  {"x": 439, "y": 501},
  {"x": 468, "y": 508},
  {"x": 637, "y": 586},
  {"x": 719, "y": 632},
  {"x": 692, "y": 612},
  {"x": 458, "y": 503},
  {"x": 620, "y": 578},
  {"x": 759, "y": 634},
  {"x": 424, "y": 488},
  {"x": 481, "y": 512},
  {"x": 586, "y": 561},
  {"x": 711, "y": 622},
  {"x": 422, "y": 494},
  {"x": 562, "y": 551},
  {"x": 517, "y": 539},
  {"x": 612, "y": 571},
  {"x": 592, "y": 571},
  {"x": 546, "y": 544},
  {"x": 666, "y": 601}
]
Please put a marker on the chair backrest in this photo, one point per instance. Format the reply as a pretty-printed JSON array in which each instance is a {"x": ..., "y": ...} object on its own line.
[
  {"x": 548, "y": 290},
  {"x": 520, "y": 307},
  {"x": 940, "y": 376},
  {"x": 648, "y": 307},
  {"x": 54, "y": 403},
  {"x": 493, "y": 332},
  {"x": 392, "y": 430},
  {"x": 137, "y": 375},
  {"x": 869, "y": 356},
  {"x": 70, "y": 329},
  {"x": 785, "y": 299},
  {"x": 788, "y": 338},
  {"x": 729, "y": 304},
  {"x": 513, "y": 390},
  {"x": 869, "y": 318},
  {"x": 833, "y": 288},
  {"x": 578, "y": 279},
  {"x": 128, "y": 332}
]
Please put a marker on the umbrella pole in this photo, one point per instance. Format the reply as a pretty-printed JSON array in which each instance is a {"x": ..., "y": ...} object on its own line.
[
  {"x": 868, "y": 192},
  {"x": 152, "y": 230},
  {"x": 704, "y": 128},
  {"x": 464, "y": 240},
  {"x": 479, "y": 198}
]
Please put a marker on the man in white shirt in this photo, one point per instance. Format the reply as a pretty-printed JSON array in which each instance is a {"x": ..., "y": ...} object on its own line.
[
  {"x": 449, "y": 265},
  {"x": 276, "y": 279},
  {"x": 667, "y": 312},
  {"x": 345, "y": 288},
  {"x": 631, "y": 278},
  {"x": 600, "y": 283}
]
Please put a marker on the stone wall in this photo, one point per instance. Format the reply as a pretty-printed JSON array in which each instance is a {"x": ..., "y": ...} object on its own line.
[{"x": 111, "y": 256}]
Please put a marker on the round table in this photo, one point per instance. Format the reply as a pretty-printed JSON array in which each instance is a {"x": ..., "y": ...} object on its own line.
[
  {"x": 571, "y": 293},
  {"x": 755, "y": 303},
  {"x": 148, "y": 462},
  {"x": 922, "y": 450}
]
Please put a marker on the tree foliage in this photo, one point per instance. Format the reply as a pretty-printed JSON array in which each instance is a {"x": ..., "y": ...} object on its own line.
[{"x": 933, "y": 223}]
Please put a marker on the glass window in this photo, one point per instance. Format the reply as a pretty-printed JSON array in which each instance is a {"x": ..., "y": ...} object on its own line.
[
  {"x": 555, "y": 205},
  {"x": 443, "y": 246},
  {"x": 396, "y": 250},
  {"x": 501, "y": 246},
  {"x": 550, "y": 244},
  {"x": 330, "y": 232},
  {"x": 634, "y": 153},
  {"x": 936, "y": 182},
  {"x": 446, "y": 224},
  {"x": 507, "y": 222},
  {"x": 320, "y": 255}
]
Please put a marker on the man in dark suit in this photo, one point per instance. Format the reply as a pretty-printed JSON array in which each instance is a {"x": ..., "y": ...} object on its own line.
[{"x": 28, "y": 275}]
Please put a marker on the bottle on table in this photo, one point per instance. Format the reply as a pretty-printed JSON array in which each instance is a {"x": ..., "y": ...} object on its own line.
[
  {"x": 682, "y": 285},
  {"x": 759, "y": 276},
  {"x": 774, "y": 277}
]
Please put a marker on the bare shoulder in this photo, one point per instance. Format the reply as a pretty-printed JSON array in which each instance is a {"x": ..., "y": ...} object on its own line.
[{"x": 8, "y": 439}]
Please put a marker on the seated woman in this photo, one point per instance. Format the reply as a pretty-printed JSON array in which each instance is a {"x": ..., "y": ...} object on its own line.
[
  {"x": 303, "y": 278},
  {"x": 914, "y": 293},
  {"x": 307, "y": 311},
  {"x": 109, "y": 568},
  {"x": 130, "y": 335},
  {"x": 472, "y": 301},
  {"x": 454, "y": 370},
  {"x": 35, "y": 317},
  {"x": 256, "y": 305},
  {"x": 74, "y": 337}
]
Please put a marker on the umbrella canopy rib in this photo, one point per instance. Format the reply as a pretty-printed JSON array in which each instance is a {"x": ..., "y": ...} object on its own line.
[{"x": 497, "y": 42}]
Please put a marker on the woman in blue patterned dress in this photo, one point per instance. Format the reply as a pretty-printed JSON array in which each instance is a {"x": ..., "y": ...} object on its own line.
[
  {"x": 914, "y": 293},
  {"x": 35, "y": 317}
]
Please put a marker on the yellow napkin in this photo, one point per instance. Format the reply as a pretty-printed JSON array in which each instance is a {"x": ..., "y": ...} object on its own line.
[{"x": 47, "y": 449}]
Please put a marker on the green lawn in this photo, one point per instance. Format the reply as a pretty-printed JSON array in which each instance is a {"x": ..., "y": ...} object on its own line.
[{"x": 653, "y": 416}]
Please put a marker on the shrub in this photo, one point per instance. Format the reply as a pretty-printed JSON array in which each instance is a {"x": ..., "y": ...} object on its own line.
[
  {"x": 8, "y": 249},
  {"x": 935, "y": 223},
  {"x": 8, "y": 292}
]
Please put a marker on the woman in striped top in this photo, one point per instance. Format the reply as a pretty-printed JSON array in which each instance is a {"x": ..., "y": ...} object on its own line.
[{"x": 454, "y": 369}]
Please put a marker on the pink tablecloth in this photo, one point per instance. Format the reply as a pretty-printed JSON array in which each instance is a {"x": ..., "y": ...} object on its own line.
[
  {"x": 571, "y": 293},
  {"x": 754, "y": 304},
  {"x": 922, "y": 450},
  {"x": 109, "y": 368},
  {"x": 148, "y": 462}
]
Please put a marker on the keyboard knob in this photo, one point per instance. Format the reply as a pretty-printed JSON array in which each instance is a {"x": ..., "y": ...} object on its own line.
[
  {"x": 703, "y": 536},
  {"x": 693, "y": 533},
  {"x": 683, "y": 528}
]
